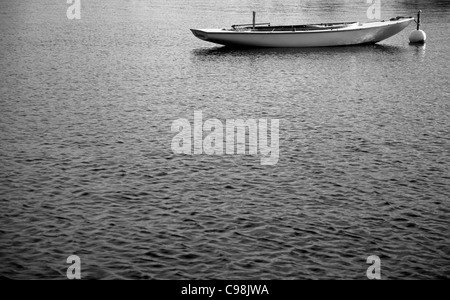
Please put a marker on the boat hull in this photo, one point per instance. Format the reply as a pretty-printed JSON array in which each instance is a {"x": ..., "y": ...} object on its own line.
[{"x": 360, "y": 34}]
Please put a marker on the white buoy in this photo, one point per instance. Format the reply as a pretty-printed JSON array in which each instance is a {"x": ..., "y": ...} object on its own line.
[{"x": 418, "y": 36}]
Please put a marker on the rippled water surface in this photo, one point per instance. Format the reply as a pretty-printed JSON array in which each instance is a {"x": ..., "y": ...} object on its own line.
[{"x": 86, "y": 109}]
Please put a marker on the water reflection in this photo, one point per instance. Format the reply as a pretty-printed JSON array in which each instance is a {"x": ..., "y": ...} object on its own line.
[
  {"x": 419, "y": 50},
  {"x": 225, "y": 51}
]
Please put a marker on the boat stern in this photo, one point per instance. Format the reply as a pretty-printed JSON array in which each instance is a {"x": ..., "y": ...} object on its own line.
[{"x": 200, "y": 34}]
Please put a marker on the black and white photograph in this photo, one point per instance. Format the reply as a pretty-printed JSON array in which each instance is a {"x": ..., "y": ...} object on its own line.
[{"x": 220, "y": 146}]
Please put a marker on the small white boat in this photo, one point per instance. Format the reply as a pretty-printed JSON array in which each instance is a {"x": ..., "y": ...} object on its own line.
[{"x": 299, "y": 36}]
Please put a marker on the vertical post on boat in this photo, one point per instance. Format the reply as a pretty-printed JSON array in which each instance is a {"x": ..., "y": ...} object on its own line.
[
  {"x": 418, "y": 19},
  {"x": 254, "y": 19}
]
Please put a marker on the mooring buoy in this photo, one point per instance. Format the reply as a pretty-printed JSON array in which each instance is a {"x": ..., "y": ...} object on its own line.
[{"x": 418, "y": 36}]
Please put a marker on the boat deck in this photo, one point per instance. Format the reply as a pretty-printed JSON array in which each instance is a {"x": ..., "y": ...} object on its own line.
[{"x": 266, "y": 27}]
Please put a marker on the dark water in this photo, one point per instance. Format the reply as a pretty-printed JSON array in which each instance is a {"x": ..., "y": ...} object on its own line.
[{"x": 86, "y": 164}]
